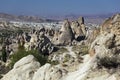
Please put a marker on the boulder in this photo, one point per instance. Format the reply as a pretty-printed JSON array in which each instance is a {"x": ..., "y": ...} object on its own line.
[
  {"x": 47, "y": 72},
  {"x": 24, "y": 69}
]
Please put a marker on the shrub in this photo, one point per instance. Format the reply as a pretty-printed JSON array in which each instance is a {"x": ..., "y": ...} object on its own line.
[
  {"x": 4, "y": 54},
  {"x": 22, "y": 53},
  {"x": 82, "y": 49},
  {"x": 108, "y": 62},
  {"x": 67, "y": 58},
  {"x": 55, "y": 62}
]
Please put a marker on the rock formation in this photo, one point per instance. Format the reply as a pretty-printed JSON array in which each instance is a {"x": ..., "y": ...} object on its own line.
[
  {"x": 47, "y": 72},
  {"x": 102, "y": 62},
  {"x": 79, "y": 29},
  {"x": 23, "y": 69},
  {"x": 29, "y": 69},
  {"x": 81, "y": 23},
  {"x": 106, "y": 47},
  {"x": 40, "y": 42},
  {"x": 44, "y": 45},
  {"x": 66, "y": 35},
  {"x": 92, "y": 35},
  {"x": 81, "y": 20}
]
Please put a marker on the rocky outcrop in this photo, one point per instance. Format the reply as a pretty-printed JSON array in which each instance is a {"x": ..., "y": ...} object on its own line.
[
  {"x": 44, "y": 45},
  {"x": 66, "y": 35},
  {"x": 105, "y": 56},
  {"x": 70, "y": 31},
  {"x": 79, "y": 29},
  {"x": 81, "y": 23},
  {"x": 47, "y": 72},
  {"x": 111, "y": 24},
  {"x": 107, "y": 44},
  {"x": 101, "y": 64},
  {"x": 40, "y": 42},
  {"x": 81, "y": 20},
  {"x": 92, "y": 35},
  {"x": 24, "y": 69},
  {"x": 29, "y": 69}
]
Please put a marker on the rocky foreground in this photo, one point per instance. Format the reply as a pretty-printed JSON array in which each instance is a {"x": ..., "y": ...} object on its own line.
[{"x": 81, "y": 54}]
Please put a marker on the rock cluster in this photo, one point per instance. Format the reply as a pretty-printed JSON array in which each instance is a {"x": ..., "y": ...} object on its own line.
[
  {"x": 29, "y": 69},
  {"x": 79, "y": 29},
  {"x": 104, "y": 53},
  {"x": 47, "y": 72},
  {"x": 66, "y": 35},
  {"x": 70, "y": 31},
  {"x": 23, "y": 69},
  {"x": 107, "y": 44},
  {"x": 40, "y": 42}
]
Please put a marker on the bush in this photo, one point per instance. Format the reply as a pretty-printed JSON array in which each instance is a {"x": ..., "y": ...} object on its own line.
[
  {"x": 4, "y": 54},
  {"x": 108, "y": 62},
  {"x": 22, "y": 53},
  {"x": 53, "y": 62},
  {"x": 67, "y": 58},
  {"x": 82, "y": 49}
]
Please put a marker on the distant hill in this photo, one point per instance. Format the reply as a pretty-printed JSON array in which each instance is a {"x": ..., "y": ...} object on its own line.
[
  {"x": 4, "y": 16},
  {"x": 96, "y": 19}
]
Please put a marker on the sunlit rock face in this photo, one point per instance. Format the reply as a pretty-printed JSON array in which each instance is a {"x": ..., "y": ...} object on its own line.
[
  {"x": 79, "y": 29},
  {"x": 66, "y": 35},
  {"x": 81, "y": 23},
  {"x": 104, "y": 54},
  {"x": 47, "y": 72},
  {"x": 70, "y": 31},
  {"x": 29, "y": 69},
  {"x": 92, "y": 35},
  {"x": 76, "y": 28},
  {"x": 108, "y": 42},
  {"x": 24, "y": 69},
  {"x": 106, "y": 47}
]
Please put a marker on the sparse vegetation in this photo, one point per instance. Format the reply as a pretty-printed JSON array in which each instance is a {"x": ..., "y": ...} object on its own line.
[
  {"x": 53, "y": 62},
  {"x": 67, "y": 58},
  {"x": 82, "y": 49},
  {"x": 4, "y": 55},
  {"x": 39, "y": 57},
  {"x": 108, "y": 62},
  {"x": 58, "y": 52},
  {"x": 22, "y": 53}
]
